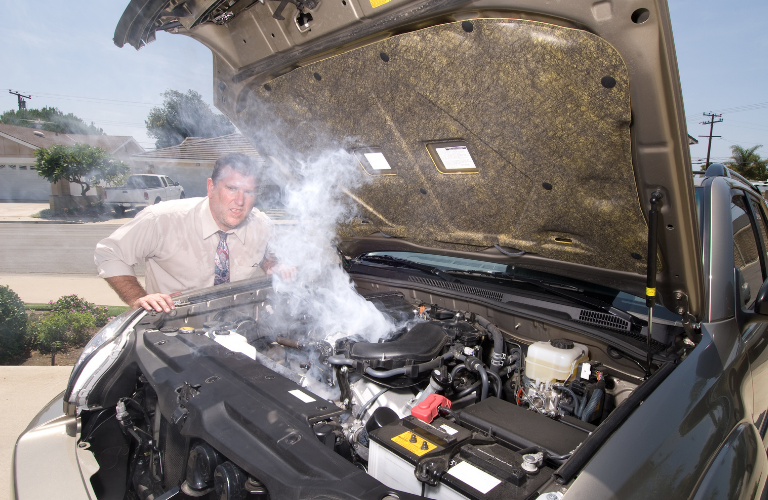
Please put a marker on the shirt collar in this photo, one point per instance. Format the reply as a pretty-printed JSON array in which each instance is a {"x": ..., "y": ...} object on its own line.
[{"x": 209, "y": 226}]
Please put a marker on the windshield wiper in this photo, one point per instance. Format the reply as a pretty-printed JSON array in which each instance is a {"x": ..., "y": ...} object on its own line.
[
  {"x": 566, "y": 291},
  {"x": 394, "y": 261}
]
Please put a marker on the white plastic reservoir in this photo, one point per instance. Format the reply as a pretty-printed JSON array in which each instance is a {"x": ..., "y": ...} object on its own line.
[{"x": 556, "y": 360}]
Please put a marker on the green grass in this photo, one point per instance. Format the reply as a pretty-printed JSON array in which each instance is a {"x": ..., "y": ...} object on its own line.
[{"x": 113, "y": 310}]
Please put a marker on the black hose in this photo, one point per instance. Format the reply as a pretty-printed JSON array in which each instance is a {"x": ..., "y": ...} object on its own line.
[
  {"x": 484, "y": 379},
  {"x": 456, "y": 370},
  {"x": 498, "y": 342},
  {"x": 370, "y": 402},
  {"x": 340, "y": 360},
  {"x": 495, "y": 376}
]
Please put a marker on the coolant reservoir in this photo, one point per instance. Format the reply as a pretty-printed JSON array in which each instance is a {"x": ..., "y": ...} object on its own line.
[{"x": 556, "y": 360}]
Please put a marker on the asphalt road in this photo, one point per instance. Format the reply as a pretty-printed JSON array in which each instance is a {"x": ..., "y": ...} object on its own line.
[{"x": 51, "y": 248}]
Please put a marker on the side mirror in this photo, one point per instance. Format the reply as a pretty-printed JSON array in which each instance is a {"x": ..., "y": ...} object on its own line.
[
  {"x": 761, "y": 302},
  {"x": 175, "y": 183},
  {"x": 759, "y": 311}
]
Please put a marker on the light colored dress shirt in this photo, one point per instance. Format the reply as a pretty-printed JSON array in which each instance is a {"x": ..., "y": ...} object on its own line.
[{"x": 177, "y": 240}]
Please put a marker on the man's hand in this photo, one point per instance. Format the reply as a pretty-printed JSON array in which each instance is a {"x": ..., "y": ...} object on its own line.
[
  {"x": 132, "y": 293},
  {"x": 287, "y": 273},
  {"x": 157, "y": 301}
]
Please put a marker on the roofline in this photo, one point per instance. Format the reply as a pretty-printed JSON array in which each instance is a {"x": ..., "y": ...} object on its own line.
[{"x": 15, "y": 139}]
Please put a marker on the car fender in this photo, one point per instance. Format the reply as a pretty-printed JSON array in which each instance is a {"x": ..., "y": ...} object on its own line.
[
  {"x": 666, "y": 446},
  {"x": 739, "y": 469}
]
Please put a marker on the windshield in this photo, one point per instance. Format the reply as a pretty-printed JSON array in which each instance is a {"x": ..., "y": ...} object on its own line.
[
  {"x": 620, "y": 300},
  {"x": 143, "y": 182}
]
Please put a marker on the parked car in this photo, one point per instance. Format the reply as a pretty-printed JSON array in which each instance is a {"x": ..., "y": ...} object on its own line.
[
  {"x": 143, "y": 190},
  {"x": 574, "y": 315}
]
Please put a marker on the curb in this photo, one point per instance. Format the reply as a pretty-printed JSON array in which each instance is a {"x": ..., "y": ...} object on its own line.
[{"x": 40, "y": 222}]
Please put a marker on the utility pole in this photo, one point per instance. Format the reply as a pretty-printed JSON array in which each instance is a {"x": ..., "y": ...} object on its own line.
[
  {"x": 22, "y": 102},
  {"x": 711, "y": 124}
]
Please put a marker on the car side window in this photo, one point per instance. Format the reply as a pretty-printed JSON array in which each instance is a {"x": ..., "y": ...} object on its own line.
[
  {"x": 170, "y": 181},
  {"x": 762, "y": 227},
  {"x": 165, "y": 184},
  {"x": 746, "y": 254}
]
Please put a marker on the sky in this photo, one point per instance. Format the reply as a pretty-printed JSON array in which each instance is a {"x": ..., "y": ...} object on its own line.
[{"x": 63, "y": 55}]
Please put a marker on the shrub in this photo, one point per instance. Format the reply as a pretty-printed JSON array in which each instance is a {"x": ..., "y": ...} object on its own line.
[
  {"x": 50, "y": 331},
  {"x": 13, "y": 325},
  {"x": 79, "y": 326},
  {"x": 62, "y": 328},
  {"x": 74, "y": 304}
]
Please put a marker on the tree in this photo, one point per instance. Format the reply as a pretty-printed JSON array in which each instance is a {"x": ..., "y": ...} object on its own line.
[
  {"x": 50, "y": 120},
  {"x": 81, "y": 164},
  {"x": 748, "y": 163},
  {"x": 182, "y": 116}
]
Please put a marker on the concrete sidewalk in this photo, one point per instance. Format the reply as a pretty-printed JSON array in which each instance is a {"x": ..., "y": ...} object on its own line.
[
  {"x": 42, "y": 288},
  {"x": 24, "y": 390},
  {"x": 23, "y": 212}
]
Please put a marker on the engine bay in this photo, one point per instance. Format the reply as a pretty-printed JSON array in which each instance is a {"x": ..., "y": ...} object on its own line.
[{"x": 446, "y": 406}]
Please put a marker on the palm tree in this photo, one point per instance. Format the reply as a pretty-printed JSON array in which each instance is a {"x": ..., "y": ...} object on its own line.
[{"x": 748, "y": 163}]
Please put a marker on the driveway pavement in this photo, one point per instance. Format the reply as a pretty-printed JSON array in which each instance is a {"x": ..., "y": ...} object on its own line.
[
  {"x": 24, "y": 390},
  {"x": 41, "y": 288}
]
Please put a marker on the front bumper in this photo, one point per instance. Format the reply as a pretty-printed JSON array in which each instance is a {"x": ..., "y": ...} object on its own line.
[{"x": 46, "y": 460}]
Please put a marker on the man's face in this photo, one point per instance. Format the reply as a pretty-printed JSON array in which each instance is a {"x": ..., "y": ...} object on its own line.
[{"x": 231, "y": 198}]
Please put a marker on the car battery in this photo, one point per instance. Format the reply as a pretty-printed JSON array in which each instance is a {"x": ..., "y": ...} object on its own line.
[{"x": 478, "y": 468}]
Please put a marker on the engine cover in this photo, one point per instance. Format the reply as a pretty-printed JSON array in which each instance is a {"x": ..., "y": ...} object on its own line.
[{"x": 424, "y": 342}]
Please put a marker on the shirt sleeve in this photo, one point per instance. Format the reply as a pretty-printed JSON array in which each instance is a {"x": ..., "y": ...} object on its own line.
[{"x": 129, "y": 245}]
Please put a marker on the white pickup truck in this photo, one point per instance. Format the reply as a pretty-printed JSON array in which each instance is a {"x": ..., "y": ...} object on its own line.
[{"x": 143, "y": 190}]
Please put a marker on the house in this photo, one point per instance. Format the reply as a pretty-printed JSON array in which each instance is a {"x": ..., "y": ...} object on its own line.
[
  {"x": 191, "y": 162},
  {"x": 18, "y": 178}
]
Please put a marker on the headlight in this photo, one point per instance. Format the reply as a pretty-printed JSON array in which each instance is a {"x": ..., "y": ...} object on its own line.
[{"x": 99, "y": 354}]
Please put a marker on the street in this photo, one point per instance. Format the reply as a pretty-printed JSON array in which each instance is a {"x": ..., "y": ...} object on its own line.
[{"x": 51, "y": 248}]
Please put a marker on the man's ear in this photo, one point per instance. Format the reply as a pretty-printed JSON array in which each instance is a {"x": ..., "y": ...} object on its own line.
[{"x": 209, "y": 185}]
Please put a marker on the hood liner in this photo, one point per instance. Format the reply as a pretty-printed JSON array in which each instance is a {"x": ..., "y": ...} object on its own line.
[{"x": 544, "y": 111}]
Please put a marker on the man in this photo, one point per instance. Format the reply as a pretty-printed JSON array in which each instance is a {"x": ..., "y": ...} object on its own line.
[{"x": 192, "y": 243}]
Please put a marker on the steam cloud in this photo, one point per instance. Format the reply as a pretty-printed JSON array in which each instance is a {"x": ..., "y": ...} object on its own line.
[{"x": 315, "y": 184}]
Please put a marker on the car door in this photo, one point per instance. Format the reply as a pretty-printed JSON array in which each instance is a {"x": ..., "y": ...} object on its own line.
[
  {"x": 165, "y": 189},
  {"x": 173, "y": 189},
  {"x": 756, "y": 336}
]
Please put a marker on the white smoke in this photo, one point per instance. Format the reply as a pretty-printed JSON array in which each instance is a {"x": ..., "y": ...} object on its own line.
[
  {"x": 316, "y": 189},
  {"x": 323, "y": 291}
]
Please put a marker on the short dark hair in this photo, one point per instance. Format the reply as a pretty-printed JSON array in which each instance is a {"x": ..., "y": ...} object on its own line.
[{"x": 240, "y": 163}]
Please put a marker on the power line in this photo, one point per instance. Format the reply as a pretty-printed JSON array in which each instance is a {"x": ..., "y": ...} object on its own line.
[
  {"x": 93, "y": 99},
  {"x": 736, "y": 109}
]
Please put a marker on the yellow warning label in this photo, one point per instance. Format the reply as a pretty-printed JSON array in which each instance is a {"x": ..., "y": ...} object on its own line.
[
  {"x": 650, "y": 292},
  {"x": 379, "y": 3},
  {"x": 414, "y": 443}
]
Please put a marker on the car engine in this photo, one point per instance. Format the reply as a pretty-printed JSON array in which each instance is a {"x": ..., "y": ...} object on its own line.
[{"x": 440, "y": 407}]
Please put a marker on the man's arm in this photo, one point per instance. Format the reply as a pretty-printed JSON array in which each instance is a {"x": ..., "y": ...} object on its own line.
[
  {"x": 271, "y": 266},
  {"x": 132, "y": 293}
]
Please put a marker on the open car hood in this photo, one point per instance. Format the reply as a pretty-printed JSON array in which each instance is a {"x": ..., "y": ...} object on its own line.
[{"x": 522, "y": 132}]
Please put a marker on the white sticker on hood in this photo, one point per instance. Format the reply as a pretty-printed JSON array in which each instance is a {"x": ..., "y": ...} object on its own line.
[
  {"x": 377, "y": 161},
  {"x": 476, "y": 478},
  {"x": 455, "y": 157},
  {"x": 302, "y": 396}
]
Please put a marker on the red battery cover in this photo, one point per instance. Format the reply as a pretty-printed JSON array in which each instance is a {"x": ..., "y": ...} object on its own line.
[{"x": 427, "y": 409}]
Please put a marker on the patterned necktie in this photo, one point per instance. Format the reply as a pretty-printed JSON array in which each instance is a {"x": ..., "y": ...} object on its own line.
[{"x": 221, "y": 260}]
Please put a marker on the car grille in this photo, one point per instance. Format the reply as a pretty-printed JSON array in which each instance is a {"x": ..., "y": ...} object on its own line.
[
  {"x": 604, "y": 320},
  {"x": 458, "y": 287}
]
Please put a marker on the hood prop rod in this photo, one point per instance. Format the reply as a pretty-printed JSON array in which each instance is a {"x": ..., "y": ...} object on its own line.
[{"x": 650, "y": 281}]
